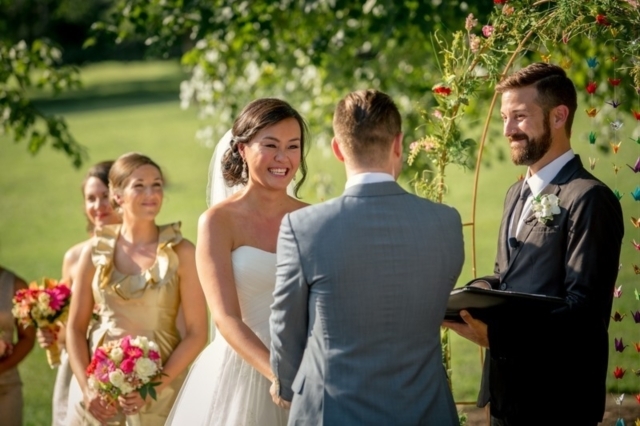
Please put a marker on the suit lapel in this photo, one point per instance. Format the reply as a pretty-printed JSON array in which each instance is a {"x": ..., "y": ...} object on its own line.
[{"x": 563, "y": 176}]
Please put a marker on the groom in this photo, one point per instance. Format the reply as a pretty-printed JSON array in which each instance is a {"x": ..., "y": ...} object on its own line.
[{"x": 362, "y": 285}]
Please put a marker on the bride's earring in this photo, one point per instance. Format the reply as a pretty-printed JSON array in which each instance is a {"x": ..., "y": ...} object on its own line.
[{"x": 243, "y": 175}]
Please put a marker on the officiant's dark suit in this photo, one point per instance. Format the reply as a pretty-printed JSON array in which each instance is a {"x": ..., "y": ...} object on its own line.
[{"x": 547, "y": 368}]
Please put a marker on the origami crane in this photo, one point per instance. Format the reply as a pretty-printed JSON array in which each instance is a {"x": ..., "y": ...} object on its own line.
[
  {"x": 636, "y": 140},
  {"x": 636, "y": 245},
  {"x": 636, "y": 222},
  {"x": 592, "y": 163},
  {"x": 614, "y": 81},
  {"x": 591, "y": 87},
  {"x": 636, "y": 294},
  {"x": 619, "y": 345},
  {"x": 636, "y": 114},
  {"x": 618, "y": 373},
  {"x": 617, "y": 194},
  {"x": 614, "y": 103},
  {"x": 619, "y": 399},
  {"x": 617, "y": 316},
  {"x": 636, "y": 193},
  {"x": 592, "y": 112},
  {"x": 616, "y": 125},
  {"x": 636, "y": 167},
  {"x": 636, "y": 270},
  {"x": 616, "y": 169},
  {"x": 592, "y": 62},
  {"x": 636, "y": 319},
  {"x": 617, "y": 292},
  {"x": 592, "y": 137},
  {"x": 615, "y": 146}
]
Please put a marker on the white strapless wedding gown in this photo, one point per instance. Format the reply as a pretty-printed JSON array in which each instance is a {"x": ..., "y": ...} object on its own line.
[{"x": 221, "y": 388}]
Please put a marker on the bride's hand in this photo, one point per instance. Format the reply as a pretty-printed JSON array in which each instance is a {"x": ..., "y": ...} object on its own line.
[{"x": 274, "y": 390}]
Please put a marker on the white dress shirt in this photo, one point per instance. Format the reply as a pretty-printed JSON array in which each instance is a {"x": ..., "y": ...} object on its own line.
[
  {"x": 537, "y": 182},
  {"x": 368, "y": 177}
]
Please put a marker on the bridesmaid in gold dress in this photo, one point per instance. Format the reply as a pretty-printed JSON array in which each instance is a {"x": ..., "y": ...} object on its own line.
[
  {"x": 11, "y": 401},
  {"x": 99, "y": 212},
  {"x": 139, "y": 274}
]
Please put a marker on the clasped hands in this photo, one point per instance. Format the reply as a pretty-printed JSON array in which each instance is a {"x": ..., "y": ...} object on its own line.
[
  {"x": 274, "y": 390},
  {"x": 103, "y": 409},
  {"x": 472, "y": 329}
]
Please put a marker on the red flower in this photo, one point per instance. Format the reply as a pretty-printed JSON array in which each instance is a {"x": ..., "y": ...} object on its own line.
[
  {"x": 619, "y": 373},
  {"x": 636, "y": 114},
  {"x": 91, "y": 368},
  {"x": 602, "y": 20},
  {"x": 591, "y": 87},
  {"x": 442, "y": 90},
  {"x": 614, "y": 81}
]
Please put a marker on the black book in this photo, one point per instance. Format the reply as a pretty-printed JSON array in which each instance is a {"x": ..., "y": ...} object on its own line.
[{"x": 484, "y": 304}]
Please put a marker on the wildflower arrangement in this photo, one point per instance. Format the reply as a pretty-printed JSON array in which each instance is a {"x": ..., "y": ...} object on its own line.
[
  {"x": 42, "y": 306},
  {"x": 123, "y": 366}
]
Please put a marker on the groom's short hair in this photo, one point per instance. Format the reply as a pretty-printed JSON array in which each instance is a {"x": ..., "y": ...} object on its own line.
[{"x": 365, "y": 123}]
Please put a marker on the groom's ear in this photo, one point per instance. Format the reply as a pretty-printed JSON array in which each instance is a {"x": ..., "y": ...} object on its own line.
[{"x": 335, "y": 146}]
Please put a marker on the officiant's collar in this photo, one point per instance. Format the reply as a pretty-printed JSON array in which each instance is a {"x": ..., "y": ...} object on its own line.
[
  {"x": 368, "y": 177},
  {"x": 545, "y": 175}
]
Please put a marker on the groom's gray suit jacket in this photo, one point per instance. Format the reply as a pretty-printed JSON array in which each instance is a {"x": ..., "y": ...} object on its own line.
[{"x": 361, "y": 291}]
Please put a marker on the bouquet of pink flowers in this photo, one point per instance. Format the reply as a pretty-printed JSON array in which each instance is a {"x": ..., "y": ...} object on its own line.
[
  {"x": 42, "y": 306},
  {"x": 123, "y": 366}
]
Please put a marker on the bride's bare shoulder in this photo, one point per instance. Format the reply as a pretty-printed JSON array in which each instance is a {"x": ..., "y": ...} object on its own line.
[
  {"x": 297, "y": 204},
  {"x": 221, "y": 213}
]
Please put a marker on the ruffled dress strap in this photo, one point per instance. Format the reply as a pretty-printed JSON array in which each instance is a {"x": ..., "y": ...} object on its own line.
[
  {"x": 166, "y": 265},
  {"x": 102, "y": 249}
]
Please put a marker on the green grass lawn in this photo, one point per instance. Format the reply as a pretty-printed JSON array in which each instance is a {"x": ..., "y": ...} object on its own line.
[{"x": 135, "y": 107}]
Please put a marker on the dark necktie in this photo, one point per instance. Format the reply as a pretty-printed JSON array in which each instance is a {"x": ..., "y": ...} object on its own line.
[{"x": 517, "y": 211}]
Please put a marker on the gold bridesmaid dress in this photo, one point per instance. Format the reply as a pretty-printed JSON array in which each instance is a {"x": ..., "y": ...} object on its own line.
[{"x": 138, "y": 305}]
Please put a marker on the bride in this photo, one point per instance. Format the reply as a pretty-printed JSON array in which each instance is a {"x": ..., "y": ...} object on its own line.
[{"x": 235, "y": 257}]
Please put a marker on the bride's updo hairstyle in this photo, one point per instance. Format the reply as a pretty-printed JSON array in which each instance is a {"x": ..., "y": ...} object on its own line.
[
  {"x": 122, "y": 169},
  {"x": 256, "y": 116}
]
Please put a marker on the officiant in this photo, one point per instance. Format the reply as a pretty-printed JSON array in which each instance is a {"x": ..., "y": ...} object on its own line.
[{"x": 560, "y": 235}]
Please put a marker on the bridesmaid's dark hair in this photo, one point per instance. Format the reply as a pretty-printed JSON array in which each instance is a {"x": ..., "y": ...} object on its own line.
[
  {"x": 122, "y": 169},
  {"x": 256, "y": 116},
  {"x": 100, "y": 171}
]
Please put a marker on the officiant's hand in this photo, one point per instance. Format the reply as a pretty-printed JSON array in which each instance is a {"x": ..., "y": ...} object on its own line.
[{"x": 472, "y": 329}]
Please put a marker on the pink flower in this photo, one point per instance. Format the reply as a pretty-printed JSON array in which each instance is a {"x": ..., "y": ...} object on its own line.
[
  {"x": 474, "y": 43},
  {"x": 487, "y": 30},
  {"x": 470, "y": 22},
  {"x": 103, "y": 369},
  {"x": 127, "y": 365},
  {"x": 58, "y": 296},
  {"x": 154, "y": 356}
]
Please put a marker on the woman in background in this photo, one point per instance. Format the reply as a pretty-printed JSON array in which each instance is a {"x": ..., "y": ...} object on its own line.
[
  {"x": 229, "y": 383},
  {"x": 11, "y": 355},
  {"x": 138, "y": 274},
  {"x": 99, "y": 212}
]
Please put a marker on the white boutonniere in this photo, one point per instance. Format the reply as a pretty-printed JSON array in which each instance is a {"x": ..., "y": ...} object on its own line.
[{"x": 545, "y": 206}]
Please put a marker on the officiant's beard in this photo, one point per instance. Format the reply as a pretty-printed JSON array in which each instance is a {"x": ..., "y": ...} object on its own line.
[{"x": 534, "y": 148}]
